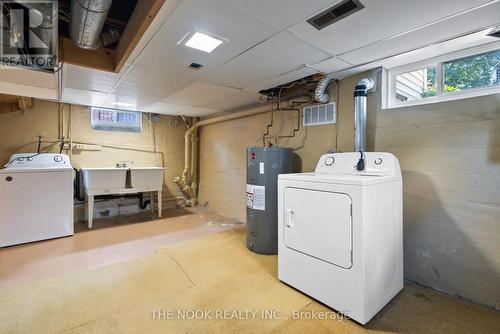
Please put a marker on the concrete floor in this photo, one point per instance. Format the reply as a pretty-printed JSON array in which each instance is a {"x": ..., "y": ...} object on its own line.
[
  {"x": 111, "y": 240},
  {"x": 177, "y": 267}
]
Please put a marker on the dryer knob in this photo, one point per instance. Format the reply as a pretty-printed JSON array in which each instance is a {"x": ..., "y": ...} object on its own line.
[
  {"x": 378, "y": 161},
  {"x": 58, "y": 158},
  {"x": 329, "y": 161}
]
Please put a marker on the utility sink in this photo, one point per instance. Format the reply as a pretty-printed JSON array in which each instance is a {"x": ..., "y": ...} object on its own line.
[
  {"x": 146, "y": 177},
  {"x": 104, "y": 178}
]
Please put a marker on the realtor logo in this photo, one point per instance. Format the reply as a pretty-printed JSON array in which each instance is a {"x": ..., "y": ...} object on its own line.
[{"x": 29, "y": 33}]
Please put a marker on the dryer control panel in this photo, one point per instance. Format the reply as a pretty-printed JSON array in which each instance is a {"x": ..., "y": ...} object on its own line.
[
  {"x": 38, "y": 161},
  {"x": 376, "y": 163}
]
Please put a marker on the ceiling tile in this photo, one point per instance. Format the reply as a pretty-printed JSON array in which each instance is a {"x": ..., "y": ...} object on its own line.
[
  {"x": 238, "y": 100},
  {"x": 85, "y": 78},
  {"x": 331, "y": 65},
  {"x": 83, "y": 97},
  {"x": 281, "y": 13},
  {"x": 200, "y": 93},
  {"x": 199, "y": 111},
  {"x": 282, "y": 79},
  {"x": 378, "y": 20},
  {"x": 165, "y": 108},
  {"x": 150, "y": 83},
  {"x": 275, "y": 56},
  {"x": 139, "y": 103},
  {"x": 240, "y": 31},
  {"x": 160, "y": 19},
  {"x": 431, "y": 34}
]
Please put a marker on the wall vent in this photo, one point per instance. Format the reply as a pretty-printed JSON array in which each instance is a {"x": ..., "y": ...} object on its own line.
[
  {"x": 335, "y": 13},
  {"x": 320, "y": 114}
]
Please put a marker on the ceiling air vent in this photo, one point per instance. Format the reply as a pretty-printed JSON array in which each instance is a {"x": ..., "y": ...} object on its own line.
[
  {"x": 195, "y": 66},
  {"x": 495, "y": 34},
  {"x": 335, "y": 13}
]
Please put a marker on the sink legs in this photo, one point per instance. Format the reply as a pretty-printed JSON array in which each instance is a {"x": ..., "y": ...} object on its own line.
[
  {"x": 152, "y": 201},
  {"x": 90, "y": 211},
  {"x": 159, "y": 203},
  {"x": 90, "y": 206}
]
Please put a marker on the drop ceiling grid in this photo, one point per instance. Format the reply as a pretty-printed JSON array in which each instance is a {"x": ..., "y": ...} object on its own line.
[
  {"x": 149, "y": 83},
  {"x": 389, "y": 17},
  {"x": 440, "y": 31},
  {"x": 236, "y": 100},
  {"x": 284, "y": 78},
  {"x": 167, "y": 108},
  {"x": 83, "y": 97},
  {"x": 83, "y": 78},
  {"x": 277, "y": 55},
  {"x": 199, "y": 94},
  {"x": 241, "y": 31},
  {"x": 280, "y": 13}
]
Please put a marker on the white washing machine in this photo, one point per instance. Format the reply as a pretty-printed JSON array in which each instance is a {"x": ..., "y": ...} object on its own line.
[
  {"x": 340, "y": 232},
  {"x": 36, "y": 198}
]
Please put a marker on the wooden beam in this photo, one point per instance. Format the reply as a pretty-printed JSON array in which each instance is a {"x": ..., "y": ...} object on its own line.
[
  {"x": 101, "y": 59},
  {"x": 144, "y": 13}
]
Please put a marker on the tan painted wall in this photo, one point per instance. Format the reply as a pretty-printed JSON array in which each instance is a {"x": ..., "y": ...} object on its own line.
[
  {"x": 450, "y": 157},
  {"x": 19, "y": 132},
  {"x": 223, "y": 148}
]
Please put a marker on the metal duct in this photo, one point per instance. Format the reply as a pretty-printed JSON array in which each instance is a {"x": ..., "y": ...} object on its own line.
[
  {"x": 320, "y": 94},
  {"x": 360, "y": 93},
  {"x": 87, "y": 21}
]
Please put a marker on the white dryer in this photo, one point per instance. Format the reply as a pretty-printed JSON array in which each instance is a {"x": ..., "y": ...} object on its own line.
[
  {"x": 36, "y": 198},
  {"x": 340, "y": 232}
]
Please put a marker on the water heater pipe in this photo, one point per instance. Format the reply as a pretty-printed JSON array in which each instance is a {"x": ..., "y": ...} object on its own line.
[
  {"x": 360, "y": 93},
  {"x": 187, "y": 181}
]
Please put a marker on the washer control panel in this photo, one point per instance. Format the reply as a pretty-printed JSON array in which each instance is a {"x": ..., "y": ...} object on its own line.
[{"x": 38, "y": 161}]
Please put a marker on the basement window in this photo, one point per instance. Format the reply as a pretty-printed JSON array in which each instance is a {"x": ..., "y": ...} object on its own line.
[
  {"x": 460, "y": 75},
  {"x": 104, "y": 119}
]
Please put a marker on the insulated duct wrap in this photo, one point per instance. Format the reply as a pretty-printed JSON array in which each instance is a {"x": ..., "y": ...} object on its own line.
[
  {"x": 320, "y": 94},
  {"x": 87, "y": 21}
]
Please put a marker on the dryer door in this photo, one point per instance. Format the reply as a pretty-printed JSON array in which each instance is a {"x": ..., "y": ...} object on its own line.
[{"x": 319, "y": 224}]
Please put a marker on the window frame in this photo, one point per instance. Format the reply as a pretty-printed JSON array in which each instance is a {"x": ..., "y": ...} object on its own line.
[
  {"x": 390, "y": 75},
  {"x": 111, "y": 128}
]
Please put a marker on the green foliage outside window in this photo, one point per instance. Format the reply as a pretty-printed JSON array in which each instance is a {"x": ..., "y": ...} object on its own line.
[{"x": 466, "y": 73}]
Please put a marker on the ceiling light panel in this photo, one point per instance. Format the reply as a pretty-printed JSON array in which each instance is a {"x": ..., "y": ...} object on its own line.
[{"x": 203, "y": 42}]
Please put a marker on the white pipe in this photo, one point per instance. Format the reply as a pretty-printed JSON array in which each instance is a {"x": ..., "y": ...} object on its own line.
[{"x": 185, "y": 181}]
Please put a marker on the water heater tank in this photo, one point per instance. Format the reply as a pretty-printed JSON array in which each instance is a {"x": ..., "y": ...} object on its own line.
[{"x": 263, "y": 166}]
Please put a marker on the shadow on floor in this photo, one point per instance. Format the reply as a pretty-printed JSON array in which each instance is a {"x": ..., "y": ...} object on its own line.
[{"x": 120, "y": 221}]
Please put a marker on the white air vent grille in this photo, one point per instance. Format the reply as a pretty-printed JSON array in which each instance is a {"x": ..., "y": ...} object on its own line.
[{"x": 320, "y": 114}]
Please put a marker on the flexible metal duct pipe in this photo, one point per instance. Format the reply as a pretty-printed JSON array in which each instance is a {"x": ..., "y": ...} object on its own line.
[
  {"x": 87, "y": 20},
  {"x": 320, "y": 94},
  {"x": 360, "y": 93}
]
